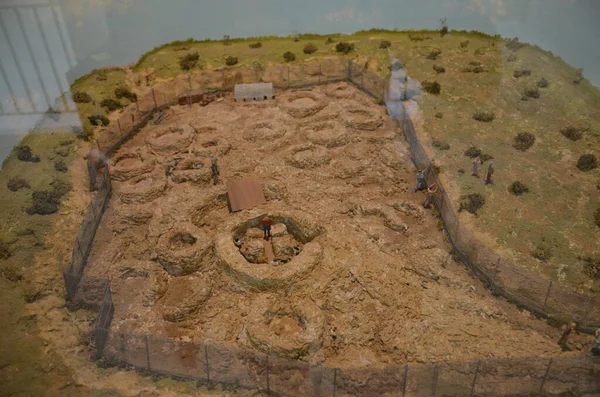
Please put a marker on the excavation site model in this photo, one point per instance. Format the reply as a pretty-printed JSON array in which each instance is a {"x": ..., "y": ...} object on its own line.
[{"x": 356, "y": 274}]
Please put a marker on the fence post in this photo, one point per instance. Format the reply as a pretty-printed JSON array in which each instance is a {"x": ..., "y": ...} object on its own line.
[
  {"x": 154, "y": 97},
  {"x": 334, "y": 381},
  {"x": 548, "y": 293},
  {"x": 288, "y": 77},
  {"x": 267, "y": 368},
  {"x": 137, "y": 106},
  {"x": 190, "y": 91},
  {"x": 545, "y": 376},
  {"x": 435, "y": 379},
  {"x": 349, "y": 70},
  {"x": 475, "y": 378},
  {"x": 147, "y": 352},
  {"x": 405, "y": 380},
  {"x": 320, "y": 72},
  {"x": 207, "y": 366},
  {"x": 119, "y": 123}
]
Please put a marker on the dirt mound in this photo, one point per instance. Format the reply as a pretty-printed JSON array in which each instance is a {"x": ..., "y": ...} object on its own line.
[
  {"x": 184, "y": 249},
  {"x": 143, "y": 189},
  {"x": 128, "y": 165},
  {"x": 341, "y": 91},
  {"x": 210, "y": 146},
  {"x": 328, "y": 133},
  {"x": 192, "y": 169},
  {"x": 184, "y": 296},
  {"x": 170, "y": 139},
  {"x": 308, "y": 156},
  {"x": 291, "y": 330},
  {"x": 361, "y": 118},
  {"x": 301, "y": 104},
  {"x": 144, "y": 276},
  {"x": 265, "y": 130}
]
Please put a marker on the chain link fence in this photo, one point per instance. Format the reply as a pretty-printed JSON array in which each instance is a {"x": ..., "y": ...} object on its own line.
[{"x": 209, "y": 363}]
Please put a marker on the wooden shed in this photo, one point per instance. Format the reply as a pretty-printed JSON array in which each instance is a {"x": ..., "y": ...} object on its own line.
[{"x": 253, "y": 92}]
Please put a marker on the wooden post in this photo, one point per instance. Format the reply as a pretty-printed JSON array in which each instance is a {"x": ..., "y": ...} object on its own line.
[
  {"x": 320, "y": 72},
  {"x": 436, "y": 375},
  {"x": 268, "y": 384},
  {"x": 548, "y": 293},
  {"x": 154, "y": 97},
  {"x": 119, "y": 123},
  {"x": 405, "y": 380},
  {"x": 288, "y": 77},
  {"x": 190, "y": 91},
  {"x": 334, "y": 381},
  {"x": 545, "y": 376},
  {"x": 475, "y": 379},
  {"x": 147, "y": 352},
  {"x": 207, "y": 366}
]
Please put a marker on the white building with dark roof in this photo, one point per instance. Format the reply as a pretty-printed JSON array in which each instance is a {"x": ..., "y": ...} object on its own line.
[{"x": 253, "y": 92}]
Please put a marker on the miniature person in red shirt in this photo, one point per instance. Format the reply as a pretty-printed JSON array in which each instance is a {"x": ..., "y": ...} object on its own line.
[{"x": 266, "y": 226}]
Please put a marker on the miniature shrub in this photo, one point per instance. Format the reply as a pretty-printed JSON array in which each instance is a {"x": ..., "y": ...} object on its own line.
[
  {"x": 439, "y": 69},
  {"x": 473, "y": 152},
  {"x": 189, "y": 61},
  {"x": 464, "y": 44},
  {"x": 471, "y": 203},
  {"x": 518, "y": 188},
  {"x": 344, "y": 47},
  {"x": 310, "y": 48},
  {"x": 542, "y": 252},
  {"x": 474, "y": 67},
  {"x": 511, "y": 58},
  {"x": 531, "y": 93},
  {"x": 124, "y": 92},
  {"x": 440, "y": 145},
  {"x": 230, "y": 61},
  {"x": 573, "y": 133},
  {"x": 385, "y": 44},
  {"x": 46, "y": 202},
  {"x": 289, "y": 56},
  {"x": 591, "y": 267},
  {"x": 439, "y": 115},
  {"x": 587, "y": 162},
  {"x": 60, "y": 166},
  {"x": 82, "y": 97},
  {"x": 485, "y": 157},
  {"x": 514, "y": 44},
  {"x": 524, "y": 141},
  {"x": 543, "y": 83},
  {"x": 111, "y": 104},
  {"x": 484, "y": 116},
  {"x": 99, "y": 119},
  {"x": 522, "y": 72},
  {"x": 24, "y": 154},
  {"x": 329, "y": 41},
  {"x": 255, "y": 45},
  {"x": 432, "y": 87},
  {"x": 5, "y": 251},
  {"x": 579, "y": 77},
  {"x": 17, "y": 183},
  {"x": 434, "y": 54}
]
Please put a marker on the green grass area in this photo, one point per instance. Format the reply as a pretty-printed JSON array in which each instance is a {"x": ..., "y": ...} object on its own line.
[{"x": 558, "y": 210}]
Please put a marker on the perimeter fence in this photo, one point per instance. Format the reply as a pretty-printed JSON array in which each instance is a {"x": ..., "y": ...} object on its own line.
[{"x": 209, "y": 363}]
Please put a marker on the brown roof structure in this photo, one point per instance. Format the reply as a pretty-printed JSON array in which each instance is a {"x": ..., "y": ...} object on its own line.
[{"x": 244, "y": 194}]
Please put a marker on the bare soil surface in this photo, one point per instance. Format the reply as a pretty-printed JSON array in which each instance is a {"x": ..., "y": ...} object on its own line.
[{"x": 385, "y": 289}]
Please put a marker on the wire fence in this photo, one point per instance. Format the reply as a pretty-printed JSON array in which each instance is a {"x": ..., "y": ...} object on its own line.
[{"x": 205, "y": 362}]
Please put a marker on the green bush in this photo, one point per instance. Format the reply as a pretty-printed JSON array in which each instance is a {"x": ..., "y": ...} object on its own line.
[
  {"x": 82, "y": 97},
  {"x": 289, "y": 56},
  {"x": 514, "y": 44},
  {"x": 439, "y": 115},
  {"x": 255, "y": 45},
  {"x": 484, "y": 116},
  {"x": 464, "y": 44},
  {"x": 432, "y": 87},
  {"x": 597, "y": 217},
  {"x": 329, "y": 41},
  {"x": 531, "y": 93},
  {"x": 518, "y": 188},
  {"x": 471, "y": 203},
  {"x": 61, "y": 187},
  {"x": 189, "y": 61},
  {"x": 46, "y": 202},
  {"x": 542, "y": 252},
  {"x": 474, "y": 67},
  {"x": 473, "y": 152},
  {"x": 60, "y": 166},
  {"x": 16, "y": 183},
  {"x": 439, "y": 69},
  {"x": 111, "y": 104},
  {"x": 591, "y": 266},
  {"x": 524, "y": 141},
  {"x": 485, "y": 157},
  {"x": 344, "y": 48},
  {"x": 579, "y": 78},
  {"x": 440, "y": 145},
  {"x": 24, "y": 154},
  {"x": 573, "y": 133},
  {"x": 522, "y": 72},
  {"x": 124, "y": 92},
  {"x": 543, "y": 83},
  {"x": 99, "y": 119},
  {"x": 434, "y": 54},
  {"x": 230, "y": 61},
  {"x": 587, "y": 162},
  {"x": 5, "y": 250},
  {"x": 383, "y": 44},
  {"x": 310, "y": 48}
]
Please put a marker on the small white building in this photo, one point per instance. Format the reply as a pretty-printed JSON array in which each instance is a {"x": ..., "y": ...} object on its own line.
[{"x": 253, "y": 92}]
